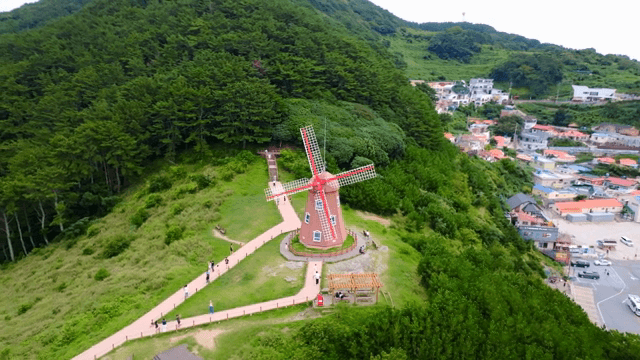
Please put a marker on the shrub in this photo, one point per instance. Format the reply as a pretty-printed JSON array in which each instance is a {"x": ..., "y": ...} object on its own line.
[
  {"x": 24, "y": 308},
  {"x": 177, "y": 208},
  {"x": 152, "y": 201},
  {"x": 159, "y": 183},
  {"x": 139, "y": 217},
  {"x": 87, "y": 251},
  {"x": 102, "y": 274},
  {"x": 173, "y": 233},
  {"x": 93, "y": 231},
  {"x": 177, "y": 172},
  {"x": 116, "y": 245},
  {"x": 76, "y": 229},
  {"x": 190, "y": 188},
  {"x": 201, "y": 180}
]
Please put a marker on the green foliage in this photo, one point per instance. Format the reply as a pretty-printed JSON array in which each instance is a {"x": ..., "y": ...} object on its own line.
[
  {"x": 537, "y": 72},
  {"x": 173, "y": 233},
  {"x": 139, "y": 217},
  {"x": 458, "y": 44},
  {"x": 566, "y": 142},
  {"x": 201, "y": 180},
  {"x": 102, "y": 274},
  {"x": 507, "y": 125},
  {"x": 152, "y": 201},
  {"x": 177, "y": 208},
  {"x": 87, "y": 251},
  {"x": 159, "y": 183},
  {"x": 116, "y": 245}
]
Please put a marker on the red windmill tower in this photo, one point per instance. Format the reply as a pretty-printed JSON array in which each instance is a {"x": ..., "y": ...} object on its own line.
[{"x": 322, "y": 226}]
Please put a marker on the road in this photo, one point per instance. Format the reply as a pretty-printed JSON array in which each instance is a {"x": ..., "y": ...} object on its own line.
[{"x": 610, "y": 293}]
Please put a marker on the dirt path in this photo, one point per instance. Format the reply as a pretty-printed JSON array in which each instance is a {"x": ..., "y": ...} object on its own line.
[
  {"x": 205, "y": 338},
  {"x": 374, "y": 217},
  {"x": 218, "y": 234}
]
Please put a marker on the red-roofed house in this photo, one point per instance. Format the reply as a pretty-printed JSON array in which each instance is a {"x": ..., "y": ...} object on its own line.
[
  {"x": 623, "y": 183},
  {"x": 574, "y": 135},
  {"x": 606, "y": 160},
  {"x": 524, "y": 157},
  {"x": 450, "y": 137},
  {"x": 497, "y": 154},
  {"x": 588, "y": 206},
  {"x": 501, "y": 141},
  {"x": 628, "y": 162},
  {"x": 561, "y": 156}
]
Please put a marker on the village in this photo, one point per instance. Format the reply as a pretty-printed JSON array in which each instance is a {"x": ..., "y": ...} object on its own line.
[{"x": 583, "y": 219}]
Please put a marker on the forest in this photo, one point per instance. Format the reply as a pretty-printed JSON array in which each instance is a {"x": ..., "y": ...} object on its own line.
[{"x": 92, "y": 101}]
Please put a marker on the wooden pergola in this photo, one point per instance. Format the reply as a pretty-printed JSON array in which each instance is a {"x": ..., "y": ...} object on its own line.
[{"x": 355, "y": 282}]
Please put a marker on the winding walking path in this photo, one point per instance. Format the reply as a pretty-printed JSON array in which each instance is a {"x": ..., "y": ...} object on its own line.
[{"x": 140, "y": 328}]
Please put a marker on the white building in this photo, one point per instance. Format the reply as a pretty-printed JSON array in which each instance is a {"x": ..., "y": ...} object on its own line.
[
  {"x": 482, "y": 92},
  {"x": 586, "y": 94}
]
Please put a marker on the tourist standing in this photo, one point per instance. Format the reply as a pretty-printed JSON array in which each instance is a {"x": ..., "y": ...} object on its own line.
[
  {"x": 186, "y": 292},
  {"x": 210, "y": 307},
  {"x": 226, "y": 261},
  {"x": 178, "y": 319},
  {"x": 207, "y": 276},
  {"x": 164, "y": 325},
  {"x": 230, "y": 248},
  {"x": 156, "y": 323},
  {"x": 317, "y": 277}
]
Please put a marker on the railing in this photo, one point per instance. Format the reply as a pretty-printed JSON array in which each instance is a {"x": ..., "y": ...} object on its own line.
[{"x": 341, "y": 252}]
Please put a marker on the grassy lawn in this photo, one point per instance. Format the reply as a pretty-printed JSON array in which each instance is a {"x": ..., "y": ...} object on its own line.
[
  {"x": 54, "y": 308},
  {"x": 248, "y": 197},
  {"x": 235, "y": 334},
  {"x": 298, "y": 246},
  {"x": 258, "y": 278}
]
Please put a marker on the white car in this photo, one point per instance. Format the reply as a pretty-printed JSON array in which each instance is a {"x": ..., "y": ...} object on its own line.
[
  {"x": 602, "y": 262},
  {"x": 625, "y": 240}
]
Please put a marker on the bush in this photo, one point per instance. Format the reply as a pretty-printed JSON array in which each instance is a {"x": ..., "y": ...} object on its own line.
[
  {"x": 24, "y": 308},
  {"x": 139, "y": 217},
  {"x": 225, "y": 173},
  {"x": 177, "y": 172},
  {"x": 152, "y": 201},
  {"x": 76, "y": 230},
  {"x": 93, "y": 231},
  {"x": 177, "y": 208},
  {"x": 116, "y": 245},
  {"x": 102, "y": 274},
  {"x": 190, "y": 188},
  {"x": 173, "y": 233},
  {"x": 201, "y": 180},
  {"x": 159, "y": 183},
  {"x": 87, "y": 251}
]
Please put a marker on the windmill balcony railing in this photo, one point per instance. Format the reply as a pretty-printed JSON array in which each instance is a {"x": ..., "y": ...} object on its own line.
[{"x": 337, "y": 253}]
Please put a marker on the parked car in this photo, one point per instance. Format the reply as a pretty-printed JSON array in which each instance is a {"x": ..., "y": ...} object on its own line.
[
  {"x": 580, "y": 263},
  {"x": 634, "y": 303},
  {"x": 625, "y": 240},
  {"x": 589, "y": 275},
  {"x": 602, "y": 262}
]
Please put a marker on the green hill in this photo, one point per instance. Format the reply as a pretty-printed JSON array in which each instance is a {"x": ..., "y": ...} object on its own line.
[{"x": 121, "y": 135}]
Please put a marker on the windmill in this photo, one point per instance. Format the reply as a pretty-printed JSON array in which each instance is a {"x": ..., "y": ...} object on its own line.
[{"x": 322, "y": 226}]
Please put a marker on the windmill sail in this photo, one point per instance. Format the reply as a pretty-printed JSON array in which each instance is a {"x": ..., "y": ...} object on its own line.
[
  {"x": 356, "y": 175},
  {"x": 312, "y": 149},
  {"x": 290, "y": 188}
]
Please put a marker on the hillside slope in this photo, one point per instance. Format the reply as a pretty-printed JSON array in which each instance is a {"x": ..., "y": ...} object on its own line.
[{"x": 31, "y": 16}]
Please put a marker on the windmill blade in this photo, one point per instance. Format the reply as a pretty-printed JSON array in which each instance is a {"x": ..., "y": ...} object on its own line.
[
  {"x": 353, "y": 176},
  {"x": 328, "y": 231},
  {"x": 312, "y": 149},
  {"x": 289, "y": 188}
]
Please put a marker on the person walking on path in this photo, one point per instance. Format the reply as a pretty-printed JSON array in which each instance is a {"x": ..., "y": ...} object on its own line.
[
  {"x": 178, "y": 319},
  {"x": 210, "y": 307},
  {"x": 226, "y": 261},
  {"x": 207, "y": 280},
  {"x": 156, "y": 324},
  {"x": 230, "y": 248},
  {"x": 212, "y": 263},
  {"x": 317, "y": 277},
  {"x": 186, "y": 292},
  {"x": 164, "y": 325}
]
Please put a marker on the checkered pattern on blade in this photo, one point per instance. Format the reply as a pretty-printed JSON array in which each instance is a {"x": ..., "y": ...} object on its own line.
[
  {"x": 312, "y": 149},
  {"x": 289, "y": 188},
  {"x": 356, "y": 175}
]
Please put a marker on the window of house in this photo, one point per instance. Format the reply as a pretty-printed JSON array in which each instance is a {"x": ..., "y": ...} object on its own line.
[
  {"x": 333, "y": 220},
  {"x": 318, "y": 204},
  {"x": 317, "y": 236},
  {"x": 307, "y": 217},
  {"x": 526, "y": 233}
]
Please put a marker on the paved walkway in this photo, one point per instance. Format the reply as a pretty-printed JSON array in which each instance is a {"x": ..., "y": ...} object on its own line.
[
  {"x": 583, "y": 296},
  {"x": 141, "y": 328},
  {"x": 284, "y": 250}
]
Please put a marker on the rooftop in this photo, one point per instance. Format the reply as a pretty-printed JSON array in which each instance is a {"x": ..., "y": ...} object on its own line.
[
  {"x": 544, "y": 189},
  {"x": 620, "y": 182},
  {"x": 578, "y": 206},
  {"x": 628, "y": 162}
]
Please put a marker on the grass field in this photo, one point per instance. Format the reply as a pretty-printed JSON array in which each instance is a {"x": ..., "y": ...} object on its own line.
[
  {"x": 298, "y": 246},
  {"x": 258, "y": 278},
  {"x": 54, "y": 308}
]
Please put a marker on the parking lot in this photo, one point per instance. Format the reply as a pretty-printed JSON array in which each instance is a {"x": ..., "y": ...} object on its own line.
[
  {"x": 586, "y": 234},
  {"x": 610, "y": 293}
]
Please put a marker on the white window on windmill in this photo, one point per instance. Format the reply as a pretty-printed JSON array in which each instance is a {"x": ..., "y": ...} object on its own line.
[
  {"x": 333, "y": 220},
  {"x": 318, "y": 204},
  {"x": 317, "y": 236},
  {"x": 307, "y": 217}
]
